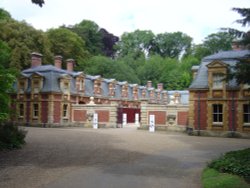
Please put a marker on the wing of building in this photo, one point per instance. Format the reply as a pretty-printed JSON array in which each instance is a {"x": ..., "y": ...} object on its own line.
[{"x": 217, "y": 106}]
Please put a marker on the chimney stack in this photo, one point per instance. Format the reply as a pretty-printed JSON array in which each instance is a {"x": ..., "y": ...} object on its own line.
[
  {"x": 70, "y": 65},
  {"x": 36, "y": 59},
  {"x": 149, "y": 84},
  {"x": 160, "y": 86},
  {"x": 58, "y": 62}
]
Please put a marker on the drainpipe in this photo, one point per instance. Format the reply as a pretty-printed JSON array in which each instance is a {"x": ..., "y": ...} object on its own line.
[
  {"x": 233, "y": 116},
  {"x": 199, "y": 119}
]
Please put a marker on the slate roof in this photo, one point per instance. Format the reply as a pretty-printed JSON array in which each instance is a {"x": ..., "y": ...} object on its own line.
[
  {"x": 51, "y": 83},
  {"x": 228, "y": 57}
]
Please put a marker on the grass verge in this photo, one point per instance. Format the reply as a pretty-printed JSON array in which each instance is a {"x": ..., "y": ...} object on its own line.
[
  {"x": 231, "y": 170},
  {"x": 212, "y": 178}
]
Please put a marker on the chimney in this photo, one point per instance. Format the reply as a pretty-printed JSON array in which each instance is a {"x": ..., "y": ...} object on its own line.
[
  {"x": 58, "y": 62},
  {"x": 149, "y": 84},
  {"x": 160, "y": 86},
  {"x": 36, "y": 59},
  {"x": 70, "y": 65},
  {"x": 236, "y": 45}
]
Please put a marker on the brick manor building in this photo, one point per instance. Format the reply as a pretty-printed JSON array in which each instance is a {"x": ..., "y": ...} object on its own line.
[{"x": 48, "y": 95}]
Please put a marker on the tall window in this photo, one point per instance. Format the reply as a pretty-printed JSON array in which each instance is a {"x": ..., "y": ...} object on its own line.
[
  {"x": 36, "y": 86},
  {"x": 246, "y": 113},
  {"x": 21, "y": 110},
  {"x": 218, "y": 81},
  {"x": 22, "y": 86},
  {"x": 66, "y": 86},
  {"x": 217, "y": 113},
  {"x": 81, "y": 85},
  {"x": 35, "y": 110},
  {"x": 65, "y": 110}
]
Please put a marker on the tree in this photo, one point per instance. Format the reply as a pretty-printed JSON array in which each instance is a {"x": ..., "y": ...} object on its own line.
[
  {"x": 4, "y": 14},
  {"x": 242, "y": 69},
  {"x": 109, "y": 40},
  {"x": 5, "y": 54},
  {"x": 172, "y": 44},
  {"x": 109, "y": 68},
  {"x": 89, "y": 32},
  {"x": 137, "y": 43},
  {"x": 213, "y": 43},
  {"x": 6, "y": 83},
  {"x": 38, "y": 2},
  {"x": 23, "y": 39},
  {"x": 67, "y": 44}
]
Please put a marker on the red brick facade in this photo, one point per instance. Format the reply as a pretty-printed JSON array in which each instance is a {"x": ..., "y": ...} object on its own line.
[
  {"x": 79, "y": 115},
  {"x": 103, "y": 115},
  {"x": 182, "y": 118},
  {"x": 160, "y": 117}
]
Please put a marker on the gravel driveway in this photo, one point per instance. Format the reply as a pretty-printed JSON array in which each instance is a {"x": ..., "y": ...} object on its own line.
[{"x": 110, "y": 158}]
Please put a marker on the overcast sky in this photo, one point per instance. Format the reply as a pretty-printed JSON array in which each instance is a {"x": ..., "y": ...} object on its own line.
[{"x": 196, "y": 18}]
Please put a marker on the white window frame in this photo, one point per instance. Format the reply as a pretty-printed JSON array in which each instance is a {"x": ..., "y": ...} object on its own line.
[
  {"x": 246, "y": 113},
  {"x": 35, "y": 110},
  {"x": 217, "y": 113}
]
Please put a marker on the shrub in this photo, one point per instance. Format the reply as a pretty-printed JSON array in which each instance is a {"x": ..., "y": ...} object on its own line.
[
  {"x": 11, "y": 137},
  {"x": 234, "y": 162}
]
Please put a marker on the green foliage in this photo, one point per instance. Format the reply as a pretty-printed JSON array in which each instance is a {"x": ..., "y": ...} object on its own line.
[
  {"x": 108, "y": 68},
  {"x": 234, "y": 162},
  {"x": 67, "y": 44},
  {"x": 213, "y": 43},
  {"x": 211, "y": 178},
  {"x": 171, "y": 44},
  {"x": 5, "y": 54},
  {"x": 4, "y": 14},
  {"x": 137, "y": 43},
  {"x": 23, "y": 39},
  {"x": 89, "y": 32},
  {"x": 6, "y": 81},
  {"x": 11, "y": 137}
]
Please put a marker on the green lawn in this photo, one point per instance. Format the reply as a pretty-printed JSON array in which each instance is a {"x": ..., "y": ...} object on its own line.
[
  {"x": 211, "y": 178},
  {"x": 228, "y": 171}
]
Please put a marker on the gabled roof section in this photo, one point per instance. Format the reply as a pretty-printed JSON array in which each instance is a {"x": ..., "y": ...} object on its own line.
[
  {"x": 65, "y": 76},
  {"x": 24, "y": 75},
  {"x": 228, "y": 55},
  {"x": 222, "y": 59},
  {"x": 217, "y": 64},
  {"x": 37, "y": 74}
]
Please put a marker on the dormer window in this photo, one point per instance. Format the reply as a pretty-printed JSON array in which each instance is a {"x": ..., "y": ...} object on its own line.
[
  {"x": 65, "y": 83},
  {"x": 98, "y": 86},
  {"x": 125, "y": 91},
  {"x": 81, "y": 87},
  {"x": 218, "y": 80},
  {"x": 21, "y": 86},
  {"x": 111, "y": 89},
  {"x": 65, "y": 86},
  {"x": 36, "y": 86}
]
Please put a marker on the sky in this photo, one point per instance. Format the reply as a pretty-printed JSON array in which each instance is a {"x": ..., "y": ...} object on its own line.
[{"x": 196, "y": 18}]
